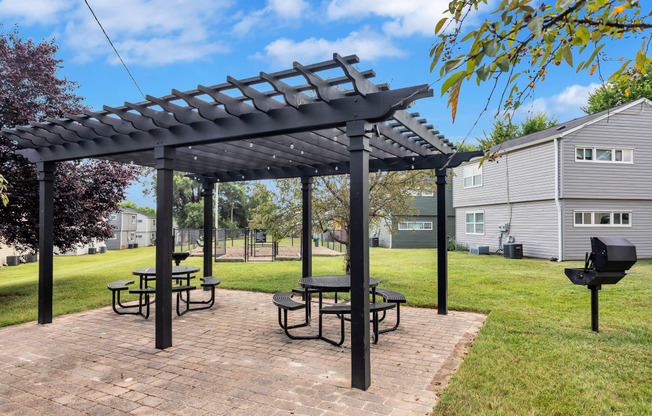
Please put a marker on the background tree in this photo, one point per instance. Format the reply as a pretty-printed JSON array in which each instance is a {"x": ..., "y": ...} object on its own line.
[
  {"x": 233, "y": 206},
  {"x": 389, "y": 196},
  {"x": 637, "y": 85},
  {"x": 503, "y": 130},
  {"x": 84, "y": 193},
  {"x": 522, "y": 39},
  {"x": 3, "y": 191},
  {"x": 187, "y": 199},
  {"x": 131, "y": 204}
]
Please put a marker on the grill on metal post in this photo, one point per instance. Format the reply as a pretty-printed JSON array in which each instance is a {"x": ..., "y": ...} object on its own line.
[{"x": 610, "y": 257}]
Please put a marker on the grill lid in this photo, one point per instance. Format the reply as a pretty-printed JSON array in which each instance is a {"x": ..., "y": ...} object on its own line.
[{"x": 612, "y": 254}]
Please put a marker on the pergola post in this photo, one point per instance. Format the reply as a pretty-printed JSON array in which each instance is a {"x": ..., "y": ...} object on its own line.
[
  {"x": 164, "y": 245},
  {"x": 306, "y": 226},
  {"x": 359, "y": 150},
  {"x": 442, "y": 244},
  {"x": 207, "y": 193},
  {"x": 45, "y": 240}
]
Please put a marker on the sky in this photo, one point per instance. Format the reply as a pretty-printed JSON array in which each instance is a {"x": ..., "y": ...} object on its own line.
[{"x": 179, "y": 44}]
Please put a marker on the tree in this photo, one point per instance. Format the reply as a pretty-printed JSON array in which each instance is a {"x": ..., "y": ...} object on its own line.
[
  {"x": 186, "y": 198},
  {"x": 524, "y": 38},
  {"x": 131, "y": 204},
  {"x": 608, "y": 95},
  {"x": 233, "y": 206},
  {"x": 85, "y": 193},
  {"x": 3, "y": 191},
  {"x": 537, "y": 122},
  {"x": 505, "y": 130},
  {"x": 501, "y": 131},
  {"x": 389, "y": 197}
]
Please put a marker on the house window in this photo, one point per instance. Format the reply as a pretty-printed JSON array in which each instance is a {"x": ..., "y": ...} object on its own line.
[
  {"x": 139, "y": 221},
  {"x": 604, "y": 155},
  {"x": 133, "y": 219},
  {"x": 139, "y": 236},
  {"x": 132, "y": 236},
  {"x": 472, "y": 176},
  {"x": 113, "y": 237},
  {"x": 154, "y": 223},
  {"x": 415, "y": 226},
  {"x": 602, "y": 218},
  {"x": 114, "y": 217},
  {"x": 475, "y": 223}
]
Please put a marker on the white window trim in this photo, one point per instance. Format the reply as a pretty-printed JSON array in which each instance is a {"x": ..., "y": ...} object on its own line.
[
  {"x": 415, "y": 222},
  {"x": 483, "y": 222},
  {"x": 479, "y": 168},
  {"x": 611, "y": 225},
  {"x": 613, "y": 152}
]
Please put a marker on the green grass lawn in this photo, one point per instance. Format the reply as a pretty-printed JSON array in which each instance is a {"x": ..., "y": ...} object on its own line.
[{"x": 535, "y": 355}]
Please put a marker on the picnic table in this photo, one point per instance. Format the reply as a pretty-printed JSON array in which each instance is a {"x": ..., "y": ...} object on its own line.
[
  {"x": 147, "y": 274},
  {"x": 330, "y": 284}
]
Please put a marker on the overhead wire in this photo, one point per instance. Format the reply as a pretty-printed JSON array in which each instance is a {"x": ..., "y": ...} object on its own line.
[{"x": 114, "y": 49}]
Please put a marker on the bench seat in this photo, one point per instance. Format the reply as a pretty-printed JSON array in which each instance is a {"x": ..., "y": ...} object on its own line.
[
  {"x": 210, "y": 281},
  {"x": 346, "y": 308},
  {"x": 284, "y": 301},
  {"x": 391, "y": 296},
  {"x": 341, "y": 309},
  {"x": 120, "y": 284}
]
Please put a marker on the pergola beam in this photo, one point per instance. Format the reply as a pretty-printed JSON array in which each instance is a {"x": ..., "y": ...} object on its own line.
[
  {"x": 285, "y": 120},
  {"x": 437, "y": 161}
]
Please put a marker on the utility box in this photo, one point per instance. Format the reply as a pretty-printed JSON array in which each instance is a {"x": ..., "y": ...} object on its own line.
[
  {"x": 513, "y": 251},
  {"x": 479, "y": 249}
]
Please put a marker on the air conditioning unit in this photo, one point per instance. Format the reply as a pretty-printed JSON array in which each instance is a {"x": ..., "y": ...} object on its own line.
[
  {"x": 513, "y": 251},
  {"x": 479, "y": 249}
]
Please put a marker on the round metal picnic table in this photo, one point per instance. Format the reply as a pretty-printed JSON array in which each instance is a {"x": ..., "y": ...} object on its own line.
[
  {"x": 149, "y": 273},
  {"x": 330, "y": 283}
]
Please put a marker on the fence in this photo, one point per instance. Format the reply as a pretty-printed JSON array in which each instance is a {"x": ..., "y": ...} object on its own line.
[{"x": 187, "y": 239}]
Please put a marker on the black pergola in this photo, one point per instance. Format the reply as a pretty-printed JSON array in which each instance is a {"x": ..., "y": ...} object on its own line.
[{"x": 287, "y": 124}]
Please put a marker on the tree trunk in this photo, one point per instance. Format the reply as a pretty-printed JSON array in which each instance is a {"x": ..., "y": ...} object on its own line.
[{"x": 348, "y": 257}]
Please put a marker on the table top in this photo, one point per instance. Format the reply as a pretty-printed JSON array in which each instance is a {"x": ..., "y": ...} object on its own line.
[
  {"x": 335, "y": 283},
  {"x": 151, "y": 271}
]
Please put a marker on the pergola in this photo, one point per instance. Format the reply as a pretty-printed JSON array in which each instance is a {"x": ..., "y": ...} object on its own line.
[{"x": 288, "y": 124}]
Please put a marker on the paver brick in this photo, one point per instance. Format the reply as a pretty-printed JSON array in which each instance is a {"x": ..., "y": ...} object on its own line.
[{"x": 230, "y": 360}]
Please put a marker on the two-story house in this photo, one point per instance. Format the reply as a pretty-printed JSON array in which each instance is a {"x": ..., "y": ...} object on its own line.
[
  {"x": 556, "y": 188},
  {"x": 145, "y": 229},
  {"x": 124, "y": 228},
  {"x": 131, "y": 226},
  {"x": 418, "y": 230}
]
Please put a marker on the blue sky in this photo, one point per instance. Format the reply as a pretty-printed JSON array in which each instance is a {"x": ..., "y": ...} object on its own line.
[{"x": 182, "y": 43}]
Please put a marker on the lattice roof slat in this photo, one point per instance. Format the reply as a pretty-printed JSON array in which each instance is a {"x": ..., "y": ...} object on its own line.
[{"x": 290, "y": 121}]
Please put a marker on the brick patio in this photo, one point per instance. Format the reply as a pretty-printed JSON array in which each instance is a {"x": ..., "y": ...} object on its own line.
[{"x": 232, "y": 360}]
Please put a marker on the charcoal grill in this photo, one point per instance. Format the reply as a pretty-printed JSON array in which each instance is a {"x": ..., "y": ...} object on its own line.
[{"x": 607, "y": 263}]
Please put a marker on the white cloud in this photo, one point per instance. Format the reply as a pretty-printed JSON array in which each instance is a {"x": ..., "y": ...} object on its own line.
[
  {"x": 567, "y": 104},
  {"x": 406, "y": 17},
  {"x": 145, "y": 32},
  {"x": 32, "y": 11},
  {"x": 366, "y": 43},
  {"x": 288, "y": 9},
  {"x": 283, "y": 9}
]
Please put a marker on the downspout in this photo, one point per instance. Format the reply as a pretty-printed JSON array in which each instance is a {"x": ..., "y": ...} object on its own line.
[{"x": 557, "y": 202}]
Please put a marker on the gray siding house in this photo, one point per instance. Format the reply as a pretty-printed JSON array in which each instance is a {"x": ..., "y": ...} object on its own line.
[
  {"x": 556, "y": 188},
  {"x": 420, "y": 229},
  {"x": 125, "y": 226}
]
